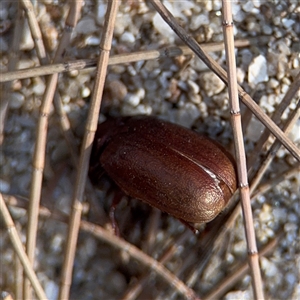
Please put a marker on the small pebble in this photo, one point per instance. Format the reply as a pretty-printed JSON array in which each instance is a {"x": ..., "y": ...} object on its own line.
[
  {"x": 85, "y": 92},
  {"x": 127, "y": 37},
  {"x": 211, "y": 84},
  {"x": 38, "y": 86},
  {"x": 254, "y": 130},
  {"x": 16, "y": 100},
  {"x": 163, "y": 28},
  {"x": 193, "y": 86},
  {"x": 132, "y": 99},
  {"x": 4, "y": 186},
  {"x": 118, "y": 89},
  {"x": 258, "y": 71},
  {"x": 86, "y": 26},
  {"x": 288, "y": 23},
  {"x": 27, "y": 41},
  {"x": 92, "y": 40}
]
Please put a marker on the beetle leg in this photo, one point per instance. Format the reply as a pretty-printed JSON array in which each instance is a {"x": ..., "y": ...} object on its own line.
[
  {"x": 116, "y": 200},
  {"x": 189, "y": 226}
]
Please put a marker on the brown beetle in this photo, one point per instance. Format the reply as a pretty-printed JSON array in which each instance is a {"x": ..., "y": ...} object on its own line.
[{"x": 170, "y": 167}]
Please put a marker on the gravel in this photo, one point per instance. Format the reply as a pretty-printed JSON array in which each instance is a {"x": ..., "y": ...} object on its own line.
[{"x": 193, "y": 97}]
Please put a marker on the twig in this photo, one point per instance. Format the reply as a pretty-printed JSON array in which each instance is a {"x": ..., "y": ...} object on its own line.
[
  {"x": 91, "y": 126},
  {"x": 17, "y": 244},
  {"x": 80, "y": 64},
  {"x": 38, "y": 170},
  {"x": 40, "y": 146},
  {"x": 240, "y": 151}
]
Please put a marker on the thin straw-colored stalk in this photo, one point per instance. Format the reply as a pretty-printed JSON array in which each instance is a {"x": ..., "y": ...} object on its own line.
[
  {"x": 35, "y": 31},
  {"x": 12, "y": 62},
  {"x": 80, "y": 64},
  {"x": 38, "y": 162},
  {"x": 91, "y": 126},
  {"x": 240, "y": 151},
  {"x": 17, "y": 244},
  {"x": 40, "y": 146},
  {"x": 18, "y": 272},
  {"x": 221, "y": 73}
]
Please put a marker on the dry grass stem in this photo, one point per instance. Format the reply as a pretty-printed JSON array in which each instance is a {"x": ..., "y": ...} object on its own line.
[
  {"x": 35, "y": 31},
  {"x": 40, "y": 146},
  {"x": 126, "y": 58},
  {"x": 240, "y": 150},
  {"x": 38, "y": 163},
  {"x": 18, "y": 247},
  {"x": 19, "y": 271},
  {"x": 91, "y": 126}
]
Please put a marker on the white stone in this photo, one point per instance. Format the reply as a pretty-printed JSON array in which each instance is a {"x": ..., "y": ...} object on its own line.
[
  {"x": 193, "y": 86},
  {"x": 92, "y": 40},
  {"x": 132, "y": 99},
  {"x": 240, "y": 75},
  {"x": 212, "y": 84},
  {"x": 27, "y": 41},
  {"x": 199, "y": 20},
  {"x": 85, "y": 92},
  {"x": 101, "y": 10},
  {"x": 294, "y": 135},
  {"x": 38, "y": 86},
  {"x": 51, "y": 289},
  {"x": 296, "y": 63},
  {"x": 269, "y": 267},
  {"x": 287, "y": 23},
  {"x": 273, "y": 83},
  {"x": 258, "y": 71},
  {"x": 16, "y": 100},
  {"x": 163, "y": 28},
  {"x": 127, "y": 37},
  {"x": 188, "y": 115},
  {"x": 266, "y": 29},
  {"x": 4, "y": 186},
  {"x": 241, "y": 295},
  {"x": 86, "y": 26}
]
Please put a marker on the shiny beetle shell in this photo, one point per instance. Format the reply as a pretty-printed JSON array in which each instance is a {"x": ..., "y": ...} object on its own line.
[{"x": 165, "y": 165}]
